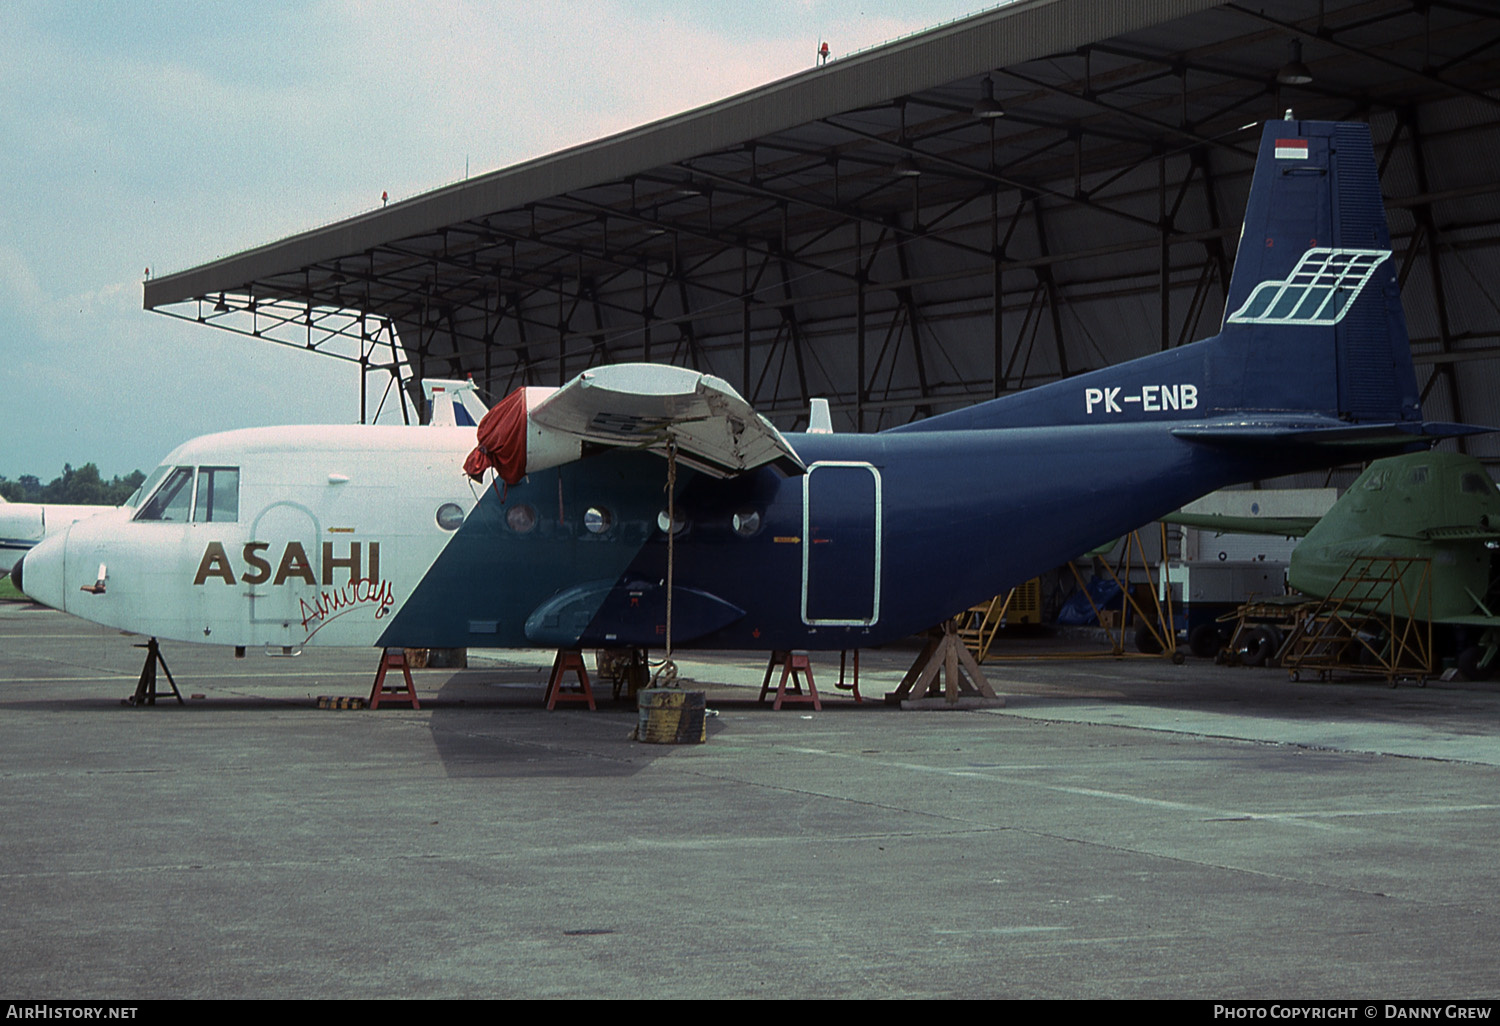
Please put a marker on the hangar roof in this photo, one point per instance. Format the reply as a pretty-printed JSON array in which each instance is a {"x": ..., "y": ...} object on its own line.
[{"x": 861, "y": 231}]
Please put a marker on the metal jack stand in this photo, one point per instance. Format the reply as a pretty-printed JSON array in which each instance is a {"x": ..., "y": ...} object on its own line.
[
  {"x": 145, "y": 688},
  {"x": 854, "y": 682}
]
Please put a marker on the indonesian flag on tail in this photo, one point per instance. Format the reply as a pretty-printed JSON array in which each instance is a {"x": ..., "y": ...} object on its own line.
[{"x": 1291, "y": 149}]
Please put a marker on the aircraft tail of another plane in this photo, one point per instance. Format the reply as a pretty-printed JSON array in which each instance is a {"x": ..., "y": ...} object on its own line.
[
  {"x": 453, "y": 403},
  {"x": 1313, "y": 347}
]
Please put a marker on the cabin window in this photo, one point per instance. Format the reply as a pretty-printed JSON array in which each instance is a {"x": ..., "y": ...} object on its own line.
[
  {"x": 1478, "y": 484},
  {"x": 521, "y": 519},
  {"x": 450, "y": 516},
  {"x": 747, "y": 523},
  {"x": 675, "y": 523},
  {"x": 218, "y": 495},
  {"x": 1418, "y": 475},
  {"x": 173, "y": 501},
  {"x": 597, "y": 520}
]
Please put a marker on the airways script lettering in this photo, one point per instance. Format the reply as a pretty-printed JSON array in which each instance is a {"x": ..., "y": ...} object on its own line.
[{"x": 331, "y": 604}]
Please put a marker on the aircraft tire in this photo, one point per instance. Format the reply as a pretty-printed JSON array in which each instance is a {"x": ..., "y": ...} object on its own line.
[
  {"x": 1145, "y": 641},
  {"x": 1259, "y": 646},
  {"x": 1469, "y": 664},
  {"x": 1205, "y": 641}
]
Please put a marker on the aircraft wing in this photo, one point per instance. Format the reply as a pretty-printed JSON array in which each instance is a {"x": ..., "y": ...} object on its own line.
[
  {"x": 1287, "y": 527},
  {"x": 635, "y": 406}
]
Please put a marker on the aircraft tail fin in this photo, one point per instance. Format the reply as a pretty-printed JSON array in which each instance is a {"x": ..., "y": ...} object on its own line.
[
  {"x": 1314, "y": 338},
  {"x": 1314, "y": 291},
  {"x": 453, "y": 403}
]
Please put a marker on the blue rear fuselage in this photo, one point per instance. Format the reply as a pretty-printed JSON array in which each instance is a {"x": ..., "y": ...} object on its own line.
[{"x": 884, "y": 536}]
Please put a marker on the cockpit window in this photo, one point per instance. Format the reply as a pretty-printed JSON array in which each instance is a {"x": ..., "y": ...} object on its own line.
[
  {"x": 173, "y": 500},
  {"x": 1478, "y": 484},
  {"x": 218, "y": 495},
  {"x": 147, "y": 486}
]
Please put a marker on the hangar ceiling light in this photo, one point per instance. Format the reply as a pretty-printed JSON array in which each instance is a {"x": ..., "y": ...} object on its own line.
[{"x": 1294, "y": 72}]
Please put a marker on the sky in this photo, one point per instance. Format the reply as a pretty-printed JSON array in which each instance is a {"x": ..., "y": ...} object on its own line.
[{"x": 166, "y": 134}]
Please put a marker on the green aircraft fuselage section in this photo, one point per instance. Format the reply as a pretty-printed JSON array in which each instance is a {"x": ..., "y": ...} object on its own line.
[{"x": 1440, "y": 507}]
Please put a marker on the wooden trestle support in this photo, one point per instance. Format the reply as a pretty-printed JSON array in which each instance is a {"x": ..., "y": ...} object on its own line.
[{"x": 962, "y": 678}]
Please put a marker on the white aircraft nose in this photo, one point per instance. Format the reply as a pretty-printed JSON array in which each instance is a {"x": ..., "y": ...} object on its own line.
[{"x": 43, "y": 577}]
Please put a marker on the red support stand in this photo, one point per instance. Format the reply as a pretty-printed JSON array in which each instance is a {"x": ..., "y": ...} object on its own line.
[
  {"x": 793, "y": 665},
  {"x": 396, "y": 660},
  {"x": 569, "y": 659}
]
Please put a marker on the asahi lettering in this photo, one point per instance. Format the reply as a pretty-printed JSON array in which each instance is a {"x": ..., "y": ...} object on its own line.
[
  {"x": 294, "y": 564},
  {"x": 362, "y": 585}
]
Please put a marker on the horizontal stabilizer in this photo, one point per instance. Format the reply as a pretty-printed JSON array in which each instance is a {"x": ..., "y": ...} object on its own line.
[
  {"x": 1462, "y": 532},
  {"x": 1266, "y": 431}
]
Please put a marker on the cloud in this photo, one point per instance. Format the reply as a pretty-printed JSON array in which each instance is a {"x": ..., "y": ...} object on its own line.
[
  {"x": 20, "y": 291},
  {"x": 169, "y": 134}
]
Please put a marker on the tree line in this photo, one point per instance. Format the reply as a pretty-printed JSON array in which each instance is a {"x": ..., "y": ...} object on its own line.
[{"x": 82, "y": 486}]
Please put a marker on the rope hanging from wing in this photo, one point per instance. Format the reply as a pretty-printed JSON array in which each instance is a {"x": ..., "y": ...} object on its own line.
[{"x": 666, "y": 674}]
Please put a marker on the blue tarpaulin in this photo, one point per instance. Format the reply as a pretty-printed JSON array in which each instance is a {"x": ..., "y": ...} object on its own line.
[{"x": 1076, "y": 611}]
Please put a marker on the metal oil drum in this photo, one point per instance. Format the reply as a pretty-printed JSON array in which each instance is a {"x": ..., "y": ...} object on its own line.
[{"x": 671, "y": 717}]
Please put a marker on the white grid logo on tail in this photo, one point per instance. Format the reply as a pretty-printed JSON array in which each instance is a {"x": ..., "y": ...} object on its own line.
[{"x": 1319, "y": 291}]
